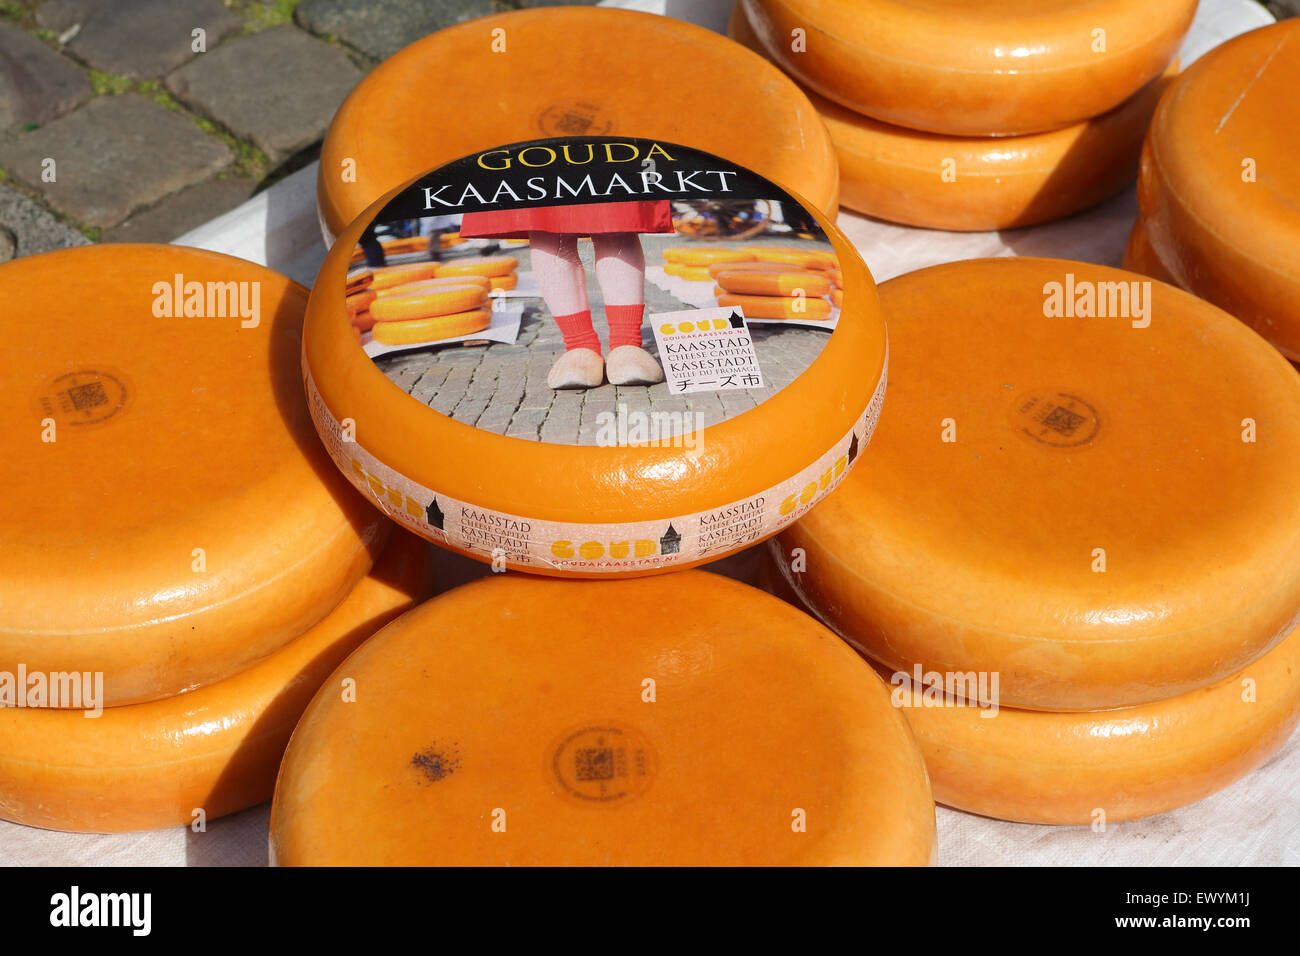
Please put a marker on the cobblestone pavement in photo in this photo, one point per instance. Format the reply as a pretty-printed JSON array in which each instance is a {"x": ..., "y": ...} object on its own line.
[{"x": 502, "y": 388}]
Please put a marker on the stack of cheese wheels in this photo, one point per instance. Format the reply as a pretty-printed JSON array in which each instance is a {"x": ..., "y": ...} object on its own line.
[
  {"x": 931, "y": 127},
  {"x": 427, "y": 301},
  {"x": 782, "y": 283},
  {"x": 1045, "y": 509},
  {"x": 497, "y": 726},
  {"x": 539, "y": 65},
  {"x": 695, "y": 263},
  {"x": 1218, "y": 189},
  {"x": 171, "y": 522},
  {"x": 615, "y": 509},
  {"x": 212, "y": 751}
]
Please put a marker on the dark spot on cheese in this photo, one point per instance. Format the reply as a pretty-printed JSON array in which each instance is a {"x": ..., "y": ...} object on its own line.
[{"x": 437, "y": 762}]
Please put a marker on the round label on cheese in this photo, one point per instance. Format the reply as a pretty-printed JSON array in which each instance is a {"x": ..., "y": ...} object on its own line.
[
  {"x": 169, "y": 517},
  {"x": 199, "y": 755},
  {"x": 711, "y": 725},
  {"x": 606, "y": 410},
  {"x": 567, "y": 71},
  {"x": 1093, "y": 494},
  {"x": 1218, "y": 187}
]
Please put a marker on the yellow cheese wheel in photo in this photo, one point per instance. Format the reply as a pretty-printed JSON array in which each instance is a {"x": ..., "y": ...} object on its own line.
[
  {"x": 385, "y": 277},
  {"x": 505, "y": 283},
  {"x": 837, "y": 298},
  {"x": 673, "y": 269},
  {"x": 973, "y": 69},
  {"x": 540, "y": 83},
  {"x": 705, "y": 256},
  {"x": 1218, "y": 188},
  {"x": 363, "y": 321},
  {"x": 360, "y": 301},
  {"x": 693, "y": 273},
  {"x": 774, "y": 283},
  {"x": 432, "y": 328},
  {"x": 720, "y": 267},
  {"x": 777, "y": 306},
  {"x": 799, "y": 258},
  {"x": 425, "y": 303},
  {"x": 423, "y": 285},
  {"x": 170, "y": 517},
  {"x": 479, "y": 266},
  {"x": 216, "y": 749},
  {"x": 481, "y": 739},
  {"x": 1105, "y": 510}
]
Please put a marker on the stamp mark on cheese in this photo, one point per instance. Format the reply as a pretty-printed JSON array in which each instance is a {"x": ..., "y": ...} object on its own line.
[
  {"x": 1057, "y": 418},
  {"x": 603, "y": 764},
  {"x": 85, "y": 397},
  {"x": 437, "y": 762},
  {"x": 574, "y": 119}
]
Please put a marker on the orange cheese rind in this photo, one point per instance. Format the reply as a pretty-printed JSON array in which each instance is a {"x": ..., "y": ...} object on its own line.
[
  {"x": 740, "y": 105},
  {"x": 472, "y": 703},
  {"x": 171, "y": 517},
  {"x": 1038, "y": 510},
  {"x": 778, "y": 307},
  {"x": 216, "y": 749},
  {"x": 427, "y": 303},
  {"x": 1063, "y": 768},
  {"x": 954, "y": 67},
  {"x": 1217, "y": 187}
]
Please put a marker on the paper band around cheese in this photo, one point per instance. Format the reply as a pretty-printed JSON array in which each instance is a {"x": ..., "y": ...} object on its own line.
[
  {"x": 495, "y": 725},
  {"x": 1103, "y": 509},
  {"x": 642, "y": 506},
  {"x": 1218, "y": 187},
  {"x": 170, "y": 517},
  {"x": 216, "y": 749},
  {"x": 534, "y": 72},
  {"x": 949, "y": 66}
]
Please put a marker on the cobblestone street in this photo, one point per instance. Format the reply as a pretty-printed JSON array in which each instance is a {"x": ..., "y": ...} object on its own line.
[{"x": 502, "y": 388}]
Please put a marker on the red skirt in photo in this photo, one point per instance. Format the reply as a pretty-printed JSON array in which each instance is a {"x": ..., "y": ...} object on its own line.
[{"x": 585, "y": 220}]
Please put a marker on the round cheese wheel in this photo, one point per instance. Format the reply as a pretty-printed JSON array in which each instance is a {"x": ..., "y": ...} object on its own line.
[
  {"x": 777, "y": 307},
  {"x": 360, "y": 301},
  {"x": 693, "y": 273},
  {"x": 1048, "y": 501},
  {"x": 425, "y": 303},
  {"x": 1140, "y": 257},
  {"x": 424, "y": 285},
  {"x": 798, "y": 258},
  {"x": 170, "y": 517},
  {"x": 837, "y": 298},
  {"x": 1062, "y": 768},
  {"x": 689, "y": 256},
  {"x": 363, "y": 321},
  {"x": 611, "y": 497},
  {"x": 774, "y": 283},
  {"x": 720, "y": 267},
  {"x": 835, "y": 277},
  {"x": 505, "y": 283},
  {"x": 530, "y": 73},
  {"x": 1218, "y": 187},
  {"x": 673, "y": 269},
  {"x": 976, "y": 183},
  {"x": 215, "y": 749},
  {"x": 479, "y": 266},
  {"x": 973, "y": 69},
  {"x": 973, "y": 183},
  {"x": 477, "y": 738},
  {"x": 431, "y": 328},
  {"x": 385, "y": 277}
]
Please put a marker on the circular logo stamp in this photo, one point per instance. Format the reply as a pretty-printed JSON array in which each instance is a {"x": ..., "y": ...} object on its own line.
[
  {"x": 1053, "y": 417},
  {"x": 85, "y": 397},
  {"x": 574, "y": 119},
  {"x": 603, "y": 764}
]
